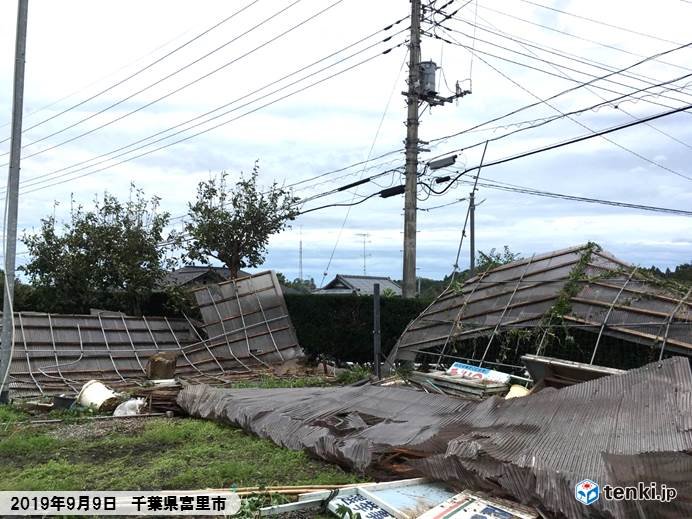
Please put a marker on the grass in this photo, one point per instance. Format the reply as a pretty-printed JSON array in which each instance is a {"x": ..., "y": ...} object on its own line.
[
  {"x": 269, "y": 382},
  {"x": 165, "y": 454},
  {"x": 10, "y": 414}
]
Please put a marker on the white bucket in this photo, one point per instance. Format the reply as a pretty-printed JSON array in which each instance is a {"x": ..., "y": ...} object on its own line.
[
  {"x": 516, "y": 391},
  {"x": 95, "y": 394}
]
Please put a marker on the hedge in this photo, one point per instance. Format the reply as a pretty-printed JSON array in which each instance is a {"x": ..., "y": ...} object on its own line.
[{"x": 340, "y": 326}]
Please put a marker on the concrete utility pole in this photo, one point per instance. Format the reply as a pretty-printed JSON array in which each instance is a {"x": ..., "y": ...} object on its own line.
[
  {"x": 410, "y": 203},
  {"x": 472, "y": 232},
  {"x": 13, "y": 197}
]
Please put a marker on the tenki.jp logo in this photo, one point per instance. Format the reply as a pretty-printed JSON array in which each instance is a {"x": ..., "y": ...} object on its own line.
[{"x": 587, "y": 491}]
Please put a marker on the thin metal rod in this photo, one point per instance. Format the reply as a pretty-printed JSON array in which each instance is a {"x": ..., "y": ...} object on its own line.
[
  {"x": 264, "y": 316},
  {"x": 242, "y": 320},
  {"x": 181, "y": 349},
  {"x": 504, "y": 311},
  {"x": 26, "y": 352},
  {"x": 205, "y": 344},
  {"x": 457, "y": 320},
  {"x": 108, "y": 348},
  {"x": 610, "y": 311},
  {"x": 670, "y": 320},
  {"x": 223, "y": 329},
  {"x": 133, "y": 344}
]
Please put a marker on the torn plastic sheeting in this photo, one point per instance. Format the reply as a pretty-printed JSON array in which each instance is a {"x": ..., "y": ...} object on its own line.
[{"x": 534, "y": 449}]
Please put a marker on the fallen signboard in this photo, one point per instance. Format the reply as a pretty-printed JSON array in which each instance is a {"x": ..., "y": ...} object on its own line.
[
  {"x": 477, "y": 373},
  {"x": 470, "y": 505}
]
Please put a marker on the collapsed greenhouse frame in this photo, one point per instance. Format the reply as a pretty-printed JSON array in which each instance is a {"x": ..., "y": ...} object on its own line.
[
  {"x": 581, "y": 288},
  {"x": 246, "y": 331}
]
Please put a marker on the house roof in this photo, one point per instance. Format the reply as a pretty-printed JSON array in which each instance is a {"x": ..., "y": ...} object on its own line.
[
  {"x": 585, "y": 286},
  {"x": 361, "y": 285},
  {"x": 190, "y": 274}
]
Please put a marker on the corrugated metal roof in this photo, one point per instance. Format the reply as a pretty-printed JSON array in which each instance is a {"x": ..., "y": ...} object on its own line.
[
  {"x": 247, "y": 319},
  {"x": 247, "y": 329},
  {"x": 599, "y": 292},
  {"x": 535, "y": 448}
]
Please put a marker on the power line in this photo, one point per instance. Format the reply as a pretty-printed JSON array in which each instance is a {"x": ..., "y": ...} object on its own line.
[
  {"x": 86, "y": 163},
  {"x": 219, "y": 124},
  {"x": 138, "y": 71},
  {"x": 548, "y": 62},
  {"x": 102, "y": 78},
  {"x": 566, "y": 142},
  {"x": 372, "y": 146},
  {"x": 490, "y": 184},
  {"x": 597, "y": 94},
  {"x": 561, "y": 93},
  {"x": 556, "y": 52},
  {"x": 179, "y": 89},
  {"x": 606, "y": 24},
  {"x": 565, "y": 33},
  {"x": 576, "y": 121},
  {"x": 536, "y": 123}
]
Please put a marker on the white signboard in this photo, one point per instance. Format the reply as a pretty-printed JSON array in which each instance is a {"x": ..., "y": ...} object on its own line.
[{"x": 459, "y": 369}]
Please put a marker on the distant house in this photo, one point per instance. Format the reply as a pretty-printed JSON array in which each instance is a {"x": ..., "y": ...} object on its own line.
[
  {"x": 195, "y": 276},
  {"x": 358, "y": 285}
]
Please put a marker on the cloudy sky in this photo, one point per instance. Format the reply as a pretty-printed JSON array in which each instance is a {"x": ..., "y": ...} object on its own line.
[{"x": 127, "y": 77}]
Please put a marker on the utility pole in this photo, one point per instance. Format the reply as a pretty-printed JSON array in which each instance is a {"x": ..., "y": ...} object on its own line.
[
  {"x": 410, "y": 203},
  {"x": 13, "y": 198},
  {"x": 472, "y": 233},
  {"x": 376, "y": 334},
  {"x": 365, "y": 236},
  {"x": 300, "y": 255}
]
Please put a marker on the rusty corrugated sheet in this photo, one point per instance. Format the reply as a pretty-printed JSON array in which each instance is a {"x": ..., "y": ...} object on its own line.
[
  {"x": 534, "y": 448},
  {"x": 612, "y": 298}
]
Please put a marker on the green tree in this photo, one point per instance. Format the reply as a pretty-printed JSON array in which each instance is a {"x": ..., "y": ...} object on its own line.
[
  {"x": 302, "y": 285},
  {"x": 233, "y": 223},
  {"x": 493, "y": 258},
  {"x": 108, "y": 257}
]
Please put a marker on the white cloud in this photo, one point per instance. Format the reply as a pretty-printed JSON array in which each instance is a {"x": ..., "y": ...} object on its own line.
[{"x": 74, "y": 44}]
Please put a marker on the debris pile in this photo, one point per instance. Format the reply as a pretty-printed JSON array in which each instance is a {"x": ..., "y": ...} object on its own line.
[{"x": 533, "y": 449}]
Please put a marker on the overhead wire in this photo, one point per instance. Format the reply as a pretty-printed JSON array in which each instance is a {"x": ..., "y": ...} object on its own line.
[
  {"x": 139, "y": 71},
  {"x": 585, "y": 126},
  {"x": 559, "y": 94},
  {"x": 567, "y": 142},
  {"x": 372, "y": 146},
  {"x": 218, "y": 125},
  {"x": 494, "y": 184},
  {"x": 179, "y": 89},
  {"x": 556, "y": 52},
  {"x": 542, "y": 60},
  {"x": 581, "y": 38},
  {"x": 536, "y": 123},
  {"x": 629, "y": 114},
  {"x": 600, "y": 22},
  {"x": 86, "y": 164}
]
